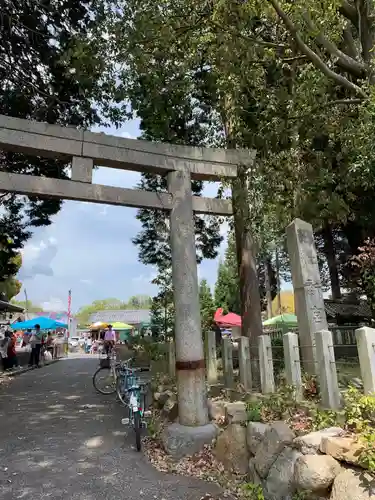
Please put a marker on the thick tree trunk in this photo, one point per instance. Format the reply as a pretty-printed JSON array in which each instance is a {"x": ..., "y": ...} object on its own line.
[
  {"x": 279, "y": 305},
  {"x": 329, "y": 251},
  {"x": 249, "y": 286},
  {"x": 267, "y": 284}
]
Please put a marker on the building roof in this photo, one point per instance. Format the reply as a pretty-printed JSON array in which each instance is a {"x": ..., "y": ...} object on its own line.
[
  {"x": 346, "y": 309},
  {"x": 130, "y": 316},
  {"x": 9, "y": 307}
]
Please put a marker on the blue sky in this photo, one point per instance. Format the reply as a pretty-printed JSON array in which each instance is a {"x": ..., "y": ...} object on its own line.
[{"x": 88, "y": 249}]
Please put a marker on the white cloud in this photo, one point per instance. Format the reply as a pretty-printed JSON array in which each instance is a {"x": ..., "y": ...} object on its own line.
[
  {"x": 86, "y": 282},
  {"x": 54, "y": 304},
  {"x": 126, "y": 135}
]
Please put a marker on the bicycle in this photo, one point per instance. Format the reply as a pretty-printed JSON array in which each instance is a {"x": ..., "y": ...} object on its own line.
[
  {"x": 108, "y": 370},
  {"x": 132, "y": 394}
]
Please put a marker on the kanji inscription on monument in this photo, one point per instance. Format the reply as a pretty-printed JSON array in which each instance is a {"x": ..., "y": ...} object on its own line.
[{"x": 308, "y": 295}]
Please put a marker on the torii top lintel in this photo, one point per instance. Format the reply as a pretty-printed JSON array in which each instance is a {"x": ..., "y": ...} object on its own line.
[{"x": 38, "y": 138}]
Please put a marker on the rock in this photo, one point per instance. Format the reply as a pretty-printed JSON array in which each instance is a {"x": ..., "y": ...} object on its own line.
[
  {"x": 357, "y": 382},
  {"x": 180, "y": 440},
  {"x": 170, "y": 409},
  {"x": 231, "y": 449},
  {"x": 315, "y": 472},
  {"x": 279, "y": 483},
  {"x": 162, "y": 397},
  {"x": 235, "y": 413},
  {"x": 309, "y": 443},
  {"x": 345, "y": 449},
  {"x": 275, "y": 439},
  {"x": 216, "y": 410},
  {"x": 253, "y": 475},
  {"x": 255, "y": 434},
  {"x": 353, "y": 485}
]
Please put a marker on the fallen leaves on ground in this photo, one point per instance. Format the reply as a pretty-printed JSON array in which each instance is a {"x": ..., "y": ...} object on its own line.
[{"x": 202, "y": 465}]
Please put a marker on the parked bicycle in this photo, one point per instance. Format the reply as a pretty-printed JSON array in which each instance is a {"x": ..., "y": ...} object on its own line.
[
  {"x": 132, "y": 393},
  {"x": 105, "y": 377}
]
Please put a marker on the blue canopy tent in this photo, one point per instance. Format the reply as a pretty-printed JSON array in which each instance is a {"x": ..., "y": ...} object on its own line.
[{"x": 45, "y": 324}]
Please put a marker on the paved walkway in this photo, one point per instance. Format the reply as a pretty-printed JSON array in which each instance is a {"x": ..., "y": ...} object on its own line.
[{"x": 59, "y": 439}]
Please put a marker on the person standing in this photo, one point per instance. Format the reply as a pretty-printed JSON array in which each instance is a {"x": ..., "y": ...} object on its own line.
[
  {"x": 12, "y": 353},
  {"x": 4, "y": 343},
  {"x": 109, "y": 339},
  {"x": 36, "y": 344}
]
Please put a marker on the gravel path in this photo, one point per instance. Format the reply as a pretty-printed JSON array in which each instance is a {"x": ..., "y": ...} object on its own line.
[{"x": 59, "y": 439}]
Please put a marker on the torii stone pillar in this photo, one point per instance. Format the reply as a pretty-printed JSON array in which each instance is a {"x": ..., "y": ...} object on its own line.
[{"x": 190, "y": 364}]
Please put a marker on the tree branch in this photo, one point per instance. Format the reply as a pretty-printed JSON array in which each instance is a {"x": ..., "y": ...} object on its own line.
[
  {"x": 336, "y": 102},
  {"x": 345, "y": 61},
  {"x": 350, "y": 48},
  {"x": 311, "y": 55},
  {"x": 248, "y": 38},
  {"x": 349, "y": 12}
]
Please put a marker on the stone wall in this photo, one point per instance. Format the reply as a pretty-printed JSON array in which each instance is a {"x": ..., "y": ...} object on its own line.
[{"x": 319, "y": 465}]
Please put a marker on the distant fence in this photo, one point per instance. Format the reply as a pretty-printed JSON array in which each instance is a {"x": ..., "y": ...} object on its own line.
[
  {"x": 276, "y": 354},
  {"x": 343, "y": 339}
]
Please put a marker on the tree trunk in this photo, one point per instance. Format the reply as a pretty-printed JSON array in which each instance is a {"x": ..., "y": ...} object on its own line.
[
  {"x": 279, "y": 305},
  {"x": 329, "y": 251},
  {"x": 249, "y": 287},
  {"x": 267, "y": 284}
]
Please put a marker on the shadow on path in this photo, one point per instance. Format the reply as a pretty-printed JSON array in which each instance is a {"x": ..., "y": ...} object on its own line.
[{"x": 60, "y": 439}]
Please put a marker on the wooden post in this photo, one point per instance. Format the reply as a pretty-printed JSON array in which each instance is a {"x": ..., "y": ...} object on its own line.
[
  {"x": 326, "y": 370},
  {"x": 366, "y": 352},
  {"x": 293, "y": 363},
  {"x": 244, "y": 363},
  {"x": 211, "y": 357},
  {"x": 267, "y": 379},
  {"x": 228, "y": 363}
]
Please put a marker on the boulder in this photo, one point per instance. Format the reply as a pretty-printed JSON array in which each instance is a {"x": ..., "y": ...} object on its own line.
[
  {"x": 181, "y": 440},
  {"x": 235, "y": 413},
  {"x": 170, "y": 409},
  {"x": 353, "y": 485},
  {"x": 255, "y": 434},
  {"x": 345, "y": 449},
  {"x": 275, "y": 439},
  {"x": 279, "y": 483},
  {"x": 309, "y": 443},
  {"x": 231, "y": 449},
  {"x": 162, "y": 397},
  {"x": 315, "y": 472},
  {"x": 216, "y": 410},
  {"x": 253, "y": 475}
]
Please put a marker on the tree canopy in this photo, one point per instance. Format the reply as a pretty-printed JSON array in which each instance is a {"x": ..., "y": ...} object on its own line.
[
  {"x": 112, "y": 304},
  {"x": 52, "y": 69}
]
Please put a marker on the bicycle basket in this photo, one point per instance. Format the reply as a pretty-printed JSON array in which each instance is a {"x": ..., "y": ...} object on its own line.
[{"x": 105, "y": 363}]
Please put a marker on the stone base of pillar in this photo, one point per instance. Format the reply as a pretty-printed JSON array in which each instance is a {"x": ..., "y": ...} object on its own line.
[{"x": 180, "y": 440}]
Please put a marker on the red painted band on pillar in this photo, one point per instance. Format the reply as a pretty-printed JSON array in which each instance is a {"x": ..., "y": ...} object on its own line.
[{"x": 190, "y": 365}]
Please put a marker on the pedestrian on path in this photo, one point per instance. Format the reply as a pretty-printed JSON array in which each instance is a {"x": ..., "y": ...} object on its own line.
[
  {"x": 12, "y": 353},
  {"x": 109, "y": 339},
  {"x": 36, "y": 344},
  {"x": 4, "y": 343}
]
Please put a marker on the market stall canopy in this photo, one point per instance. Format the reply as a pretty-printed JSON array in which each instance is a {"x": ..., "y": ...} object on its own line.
[
  {"x": 121, "y": 326},
  {"x": 283, "y": 319},
  {"x": 98, "y": 325},
  {"x": 45, "y": 324},
  {"x": 230, "y": 319}
]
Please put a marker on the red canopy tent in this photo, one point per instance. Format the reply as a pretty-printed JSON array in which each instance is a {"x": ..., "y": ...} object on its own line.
[{"x": 228, "y": 320}]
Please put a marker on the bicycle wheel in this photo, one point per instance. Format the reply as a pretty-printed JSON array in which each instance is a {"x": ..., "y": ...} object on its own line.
[
  {"x": 137, "y": 429},
  {"x": 121, "y": 390},
  {"x": 104, "y": 381}
]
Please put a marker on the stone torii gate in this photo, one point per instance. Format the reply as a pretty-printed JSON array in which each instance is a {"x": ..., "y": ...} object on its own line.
[{"x": 180, "y": 164}]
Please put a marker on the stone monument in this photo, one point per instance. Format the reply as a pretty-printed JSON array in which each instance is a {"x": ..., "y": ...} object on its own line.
[{"x": 308, "y": 295}]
